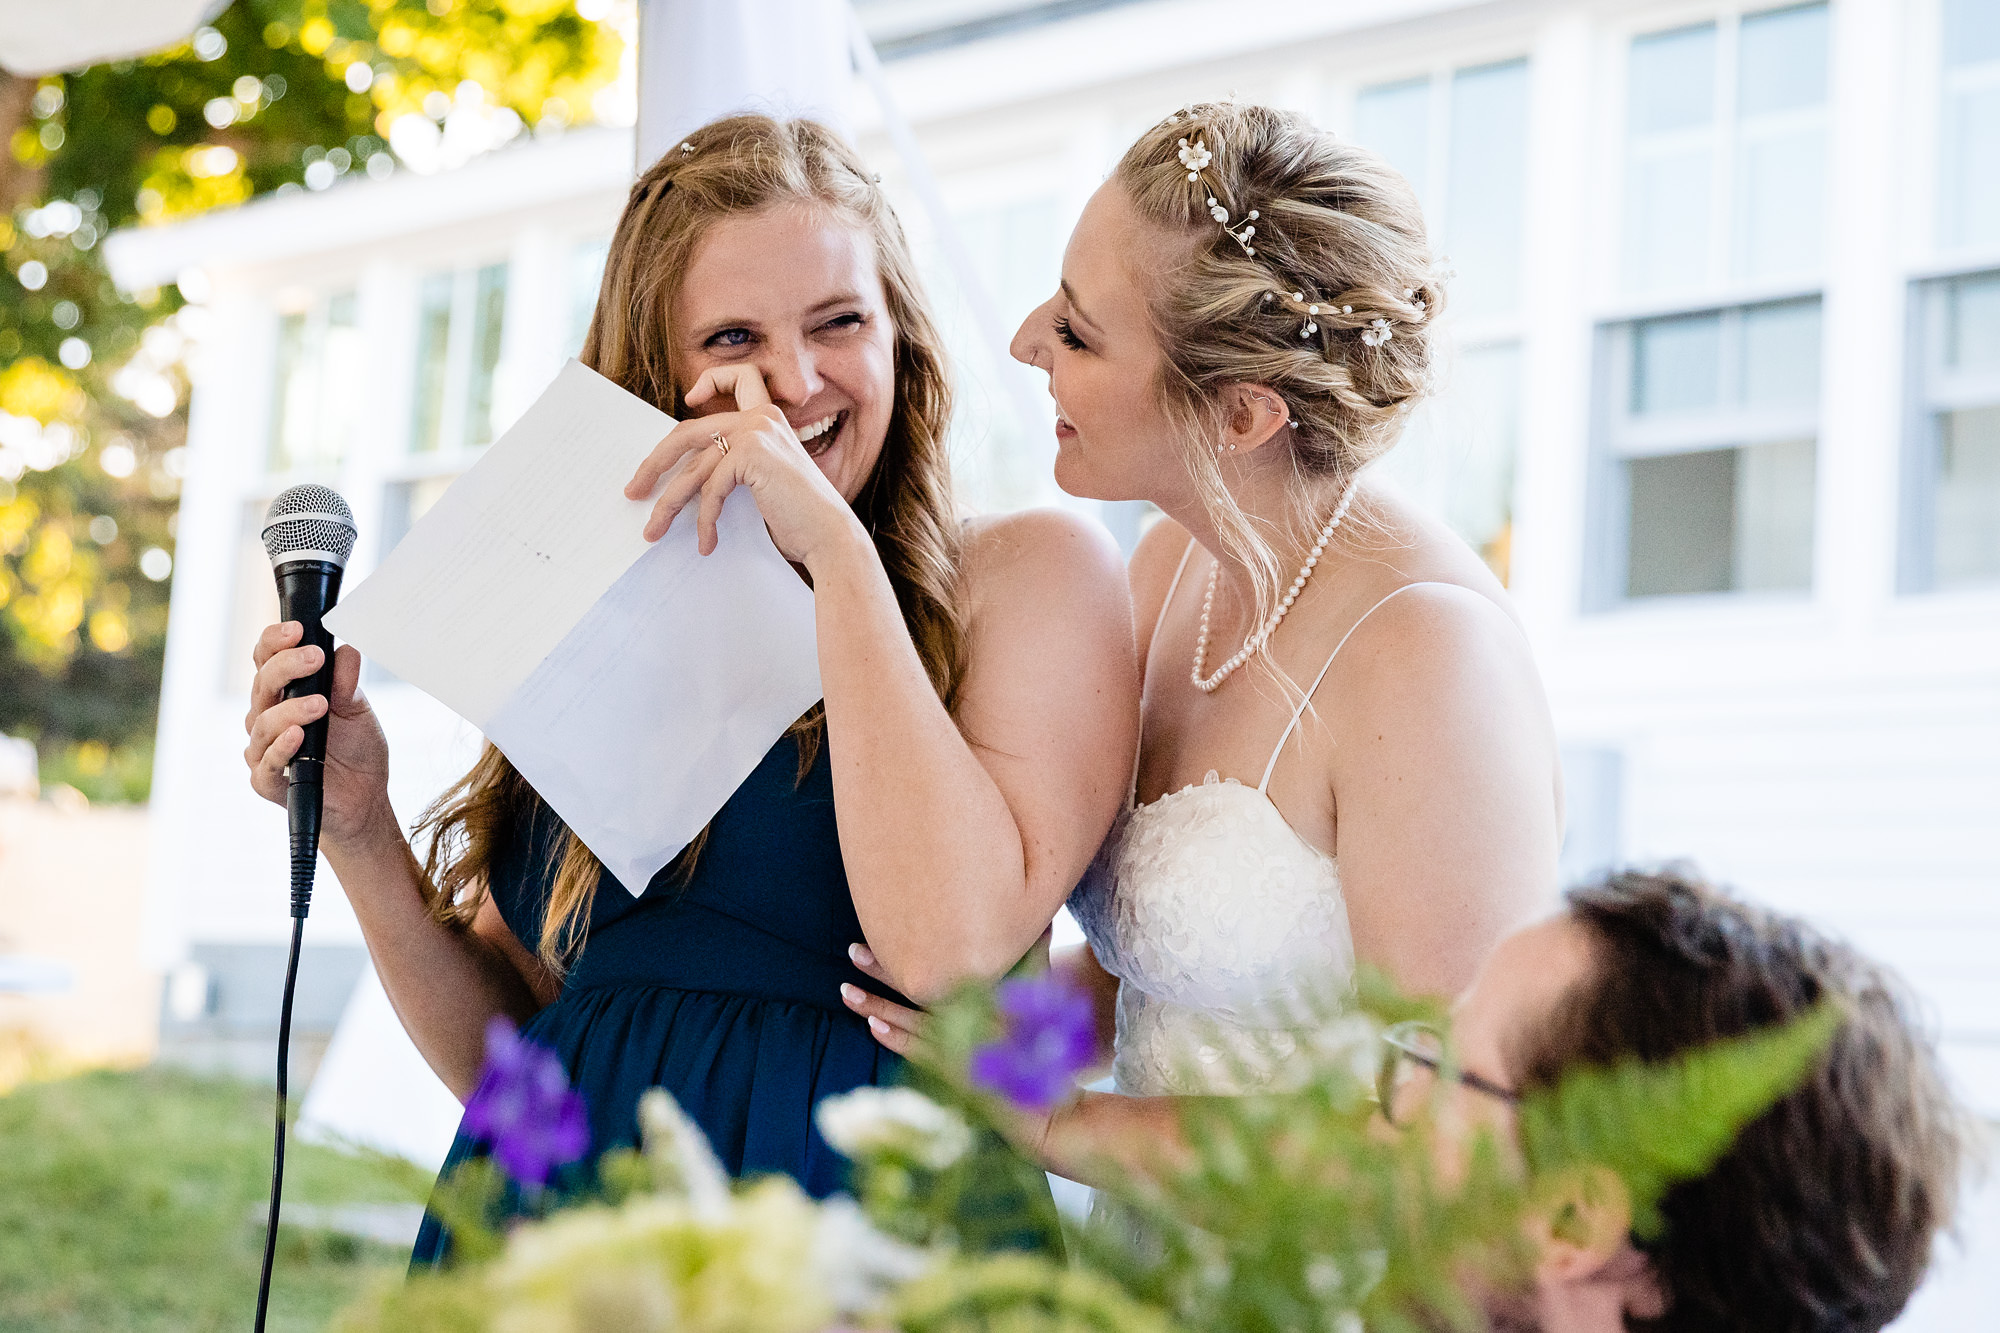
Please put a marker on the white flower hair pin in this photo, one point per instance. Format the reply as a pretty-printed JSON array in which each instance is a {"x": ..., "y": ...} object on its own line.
[{"x": 1195, "y": 157}]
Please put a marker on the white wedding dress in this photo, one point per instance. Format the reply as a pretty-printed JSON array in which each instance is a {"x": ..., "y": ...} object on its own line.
[{"x": 1227, "y": 932}]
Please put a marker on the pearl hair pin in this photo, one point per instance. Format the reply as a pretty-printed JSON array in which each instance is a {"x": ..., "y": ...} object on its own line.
[
  {"x": 1196, "y": 157},
  {"x": 1255, "y": 643}
]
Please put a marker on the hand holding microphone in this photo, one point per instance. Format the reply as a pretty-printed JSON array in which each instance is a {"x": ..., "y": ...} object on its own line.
[{"x": 307, "y": 715}]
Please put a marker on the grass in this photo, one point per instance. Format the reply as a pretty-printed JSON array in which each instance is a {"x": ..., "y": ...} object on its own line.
[{"x": 134, "y": 1201}]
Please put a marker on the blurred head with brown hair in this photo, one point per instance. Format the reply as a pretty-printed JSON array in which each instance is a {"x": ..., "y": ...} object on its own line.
[
  {"x": 1821, "y": 1216},
  {"x": 768, "y": 243}
]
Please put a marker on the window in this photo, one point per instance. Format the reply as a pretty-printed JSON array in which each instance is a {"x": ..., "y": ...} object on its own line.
[
  {"x": 1725, "y": 162},
  {"x": 1969, "y": 187},
  {"x": 1460, "y": 138},
  {"x": 319, "y": 369},
  {"x": 1708, "y": 416},
  {"x": 1952, "y": 491},
  {"x": 460, "y": 317},
  {"x": 1712, "y": 423},
  {"x": 586, "y": 275}
]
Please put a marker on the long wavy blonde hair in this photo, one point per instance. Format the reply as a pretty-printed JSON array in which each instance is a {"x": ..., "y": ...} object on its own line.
[
  {"x": 1336, "y": 226},
  {"x": 737, "y": 166}
]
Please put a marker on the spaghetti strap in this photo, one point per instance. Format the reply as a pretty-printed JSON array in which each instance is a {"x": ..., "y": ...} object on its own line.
[
  {"x": 1168, "y": 600},
  {"x": 1306, "y": 702},
  {"x": 1132, "y": 787}
]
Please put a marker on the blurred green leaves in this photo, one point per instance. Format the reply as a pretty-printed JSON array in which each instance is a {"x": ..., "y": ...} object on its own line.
[{"x": 273, "y": 95}]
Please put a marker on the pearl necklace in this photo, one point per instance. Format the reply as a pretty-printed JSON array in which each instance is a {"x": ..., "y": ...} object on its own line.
[{"x": 1255, "y": 643}]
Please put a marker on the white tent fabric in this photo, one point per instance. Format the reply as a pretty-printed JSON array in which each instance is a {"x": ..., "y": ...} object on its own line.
[
  {"x": 698, "y": 61},
  {"x": 373, "y": 1089},
  {"x": 42, "y": 38}
]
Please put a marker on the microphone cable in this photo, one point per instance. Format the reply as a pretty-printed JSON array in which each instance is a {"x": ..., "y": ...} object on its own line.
[{"x": 302, "y": 809}]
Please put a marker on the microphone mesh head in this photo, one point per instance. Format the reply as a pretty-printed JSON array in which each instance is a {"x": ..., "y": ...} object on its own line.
[{"x": 309, "y": 523}]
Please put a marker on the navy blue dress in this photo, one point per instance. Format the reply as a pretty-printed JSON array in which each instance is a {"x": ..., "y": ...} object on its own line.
[{"x": 724, "y": 989}]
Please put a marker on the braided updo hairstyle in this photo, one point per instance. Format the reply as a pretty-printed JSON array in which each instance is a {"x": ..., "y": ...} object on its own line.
[{"x": 1307, "y": 269}]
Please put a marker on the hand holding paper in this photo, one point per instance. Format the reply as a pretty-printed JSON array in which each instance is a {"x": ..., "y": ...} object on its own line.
[{"x": 634, "y": 686}]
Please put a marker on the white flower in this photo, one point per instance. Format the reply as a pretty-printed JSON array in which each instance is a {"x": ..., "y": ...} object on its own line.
[
  {"x": 902, "y": 1120},
  {"x": 1219, "y": 213},
  {"x": 1195, "y": 157},
  {"x": 856, "y": 1264},
  {"x": 684, "y": 1166},
  {"x": 1377, "y": 332}
]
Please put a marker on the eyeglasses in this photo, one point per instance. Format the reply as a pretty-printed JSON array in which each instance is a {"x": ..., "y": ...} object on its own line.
[{"x": 1413, "y": 1058}]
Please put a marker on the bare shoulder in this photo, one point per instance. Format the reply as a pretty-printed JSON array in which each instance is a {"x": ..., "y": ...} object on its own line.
[
  {"x": 1432, "y": 644},
  {"x": 1039, "y": 553}
]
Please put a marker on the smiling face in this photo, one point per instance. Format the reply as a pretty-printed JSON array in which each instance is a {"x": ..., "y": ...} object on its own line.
[
  {"x": 794, "y": 292},
  {"x": 1095, "y": 340}
]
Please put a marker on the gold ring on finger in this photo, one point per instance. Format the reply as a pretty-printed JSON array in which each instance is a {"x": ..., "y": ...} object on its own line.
[{"x": 721, "y": 444}]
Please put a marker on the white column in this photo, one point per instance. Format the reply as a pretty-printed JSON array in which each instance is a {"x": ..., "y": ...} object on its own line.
[
  {"x": 1552, "y": 488},
  {"x": 699, "y": 60},
  {"x": 1862, "y": 323}
]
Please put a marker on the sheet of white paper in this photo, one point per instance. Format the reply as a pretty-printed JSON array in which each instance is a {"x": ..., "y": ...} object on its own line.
[{"x": 635, "y": 686}]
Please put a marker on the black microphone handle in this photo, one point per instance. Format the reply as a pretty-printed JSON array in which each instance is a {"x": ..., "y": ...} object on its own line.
[{"x": 307, "y": 590}]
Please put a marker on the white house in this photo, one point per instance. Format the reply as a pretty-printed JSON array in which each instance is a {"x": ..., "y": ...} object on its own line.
[{"x": 1724, "y": 405}]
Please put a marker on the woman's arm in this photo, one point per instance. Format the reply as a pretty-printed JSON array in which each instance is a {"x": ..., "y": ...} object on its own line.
[
  {"x": 443, "y": 983},
  {"x": 963, "y": 835},
  {"x": 1444, "y": 771}
]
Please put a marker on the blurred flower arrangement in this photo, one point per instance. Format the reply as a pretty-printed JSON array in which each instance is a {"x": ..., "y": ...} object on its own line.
[{"x": 1297, "y": 1211}]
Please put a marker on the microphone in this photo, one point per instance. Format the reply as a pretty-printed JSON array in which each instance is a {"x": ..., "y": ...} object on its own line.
[{"x": 308, "y": 533}]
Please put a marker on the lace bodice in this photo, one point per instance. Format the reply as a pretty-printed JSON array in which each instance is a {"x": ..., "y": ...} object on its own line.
[
  {"x": 1227, "y": 931},
  {"x": 1212, "y": 913}
]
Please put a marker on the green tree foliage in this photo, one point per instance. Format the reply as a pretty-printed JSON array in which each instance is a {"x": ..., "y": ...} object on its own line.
[{"x": 276, "y": 95}]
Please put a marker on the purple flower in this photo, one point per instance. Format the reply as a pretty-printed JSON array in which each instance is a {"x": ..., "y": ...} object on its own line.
[
  {"x": 1051, "y": 1034},
  {"x": 524, "y": 1104}
]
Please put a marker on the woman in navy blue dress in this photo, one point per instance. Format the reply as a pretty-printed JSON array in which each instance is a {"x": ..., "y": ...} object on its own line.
[{"x": 971, "y": 751}]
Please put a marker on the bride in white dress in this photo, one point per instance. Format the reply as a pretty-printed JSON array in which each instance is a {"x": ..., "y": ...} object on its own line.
[{"x": 1345, "y": 750}]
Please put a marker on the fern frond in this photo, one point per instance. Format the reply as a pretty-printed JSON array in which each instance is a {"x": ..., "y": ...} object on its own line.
[{"x": 1657, "y": 1125}]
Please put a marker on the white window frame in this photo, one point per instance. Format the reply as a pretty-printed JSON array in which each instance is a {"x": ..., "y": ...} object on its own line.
[
  {"x": 1721, "y": 285},
  {"x": 1933, "y": 390},
  {"x": 1618, "y": 311},
  {"x": 1621, "y": 439},
  {"x": 1932, "y": 263},
  {"x": 1469, "y": 332},
  {"x": 459, "y": 351},
  {"x": 315, "y": 304}
]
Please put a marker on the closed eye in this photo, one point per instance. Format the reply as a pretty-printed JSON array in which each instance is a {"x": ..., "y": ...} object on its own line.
[{"x": 1068, "y": 335}]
